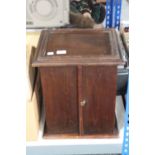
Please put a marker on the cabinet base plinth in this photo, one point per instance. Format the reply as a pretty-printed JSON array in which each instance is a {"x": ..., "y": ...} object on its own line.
[{"x": 48, "y": 135}]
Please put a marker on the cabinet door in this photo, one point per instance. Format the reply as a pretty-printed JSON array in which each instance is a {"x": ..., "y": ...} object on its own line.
[
  {"x": 60, "y": 99},
  {"x": 97, "y": 99}
]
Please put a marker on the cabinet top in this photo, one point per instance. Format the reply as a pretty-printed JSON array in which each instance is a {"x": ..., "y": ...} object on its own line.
[{"x": 77, "y": 47}]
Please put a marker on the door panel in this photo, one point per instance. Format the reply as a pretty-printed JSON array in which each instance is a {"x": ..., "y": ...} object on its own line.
[
  {"x": 99, "y": 93},
  {"x": 60, "y": 99}
]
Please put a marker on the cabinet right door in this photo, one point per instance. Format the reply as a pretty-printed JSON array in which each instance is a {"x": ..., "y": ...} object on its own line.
[{"x": 99, "y": 93}]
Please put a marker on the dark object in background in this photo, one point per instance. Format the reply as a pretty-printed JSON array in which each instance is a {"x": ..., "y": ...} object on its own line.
[
  {"x": 122, "y": 79},
  {"x": 86, "y": 13},
  {"x": 98, "y": 13},
  {"x": 78, "y": 20},
  {"x": 123, "y": 70}
]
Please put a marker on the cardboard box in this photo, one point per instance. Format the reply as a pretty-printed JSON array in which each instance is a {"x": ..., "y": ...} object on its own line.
[
  {"x": 31, "y": 43},
  {"x": 33, "y": 111},
  {"x": 30, "y": 71},
  {"x": 33, "y": 101}
]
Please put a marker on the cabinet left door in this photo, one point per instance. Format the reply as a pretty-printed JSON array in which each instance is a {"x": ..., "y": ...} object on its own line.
[{"x": 59, "y": 86}]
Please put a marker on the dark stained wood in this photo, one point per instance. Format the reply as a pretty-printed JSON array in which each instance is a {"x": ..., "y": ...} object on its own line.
[
  {"x": 80, "y": 99},
  {"x": 76, "y": 136},
  {"x": 83, "y": 136},
  {"x": 99, "y": 92},
  {"x": 79, "y": 87},
  {"x": 83, "y": 47},
  {"x": 60, "y": 99},
  {"x": 98, "y": 47}
]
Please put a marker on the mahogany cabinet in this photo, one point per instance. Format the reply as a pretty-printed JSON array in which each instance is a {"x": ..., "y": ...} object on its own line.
[{"x": 78, "y": 74}]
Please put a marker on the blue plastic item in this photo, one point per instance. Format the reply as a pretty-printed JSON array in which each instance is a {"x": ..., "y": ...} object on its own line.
[
  {"x": 109, "y": 13},
  {"x": 125, "y": 147},
  {"x": 113, "y": 13},
  {"x": 118, "y": 7}
]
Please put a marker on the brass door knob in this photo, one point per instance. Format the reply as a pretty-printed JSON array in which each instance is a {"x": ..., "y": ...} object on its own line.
[{"x": 83, "y": 103}]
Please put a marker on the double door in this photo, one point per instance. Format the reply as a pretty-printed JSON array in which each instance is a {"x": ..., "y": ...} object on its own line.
[{"x": 79, "y": 99}]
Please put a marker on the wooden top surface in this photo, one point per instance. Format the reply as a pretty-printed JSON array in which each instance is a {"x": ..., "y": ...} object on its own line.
[{"x": 77, "y": 47}]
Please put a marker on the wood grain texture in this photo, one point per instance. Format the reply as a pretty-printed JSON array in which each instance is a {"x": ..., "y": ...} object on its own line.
[
  {"x": 60, "y": 99},
  {"x": 79, "y": 87},
  {"x": 83, "y": 47},
  {"x": 99, "y": 91},
  {"x": 80, "y": 99},
  {"x": 99, "y": 46}
]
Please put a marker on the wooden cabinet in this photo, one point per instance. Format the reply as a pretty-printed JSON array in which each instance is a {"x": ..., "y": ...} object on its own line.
[{"x": 78, "y": 75}]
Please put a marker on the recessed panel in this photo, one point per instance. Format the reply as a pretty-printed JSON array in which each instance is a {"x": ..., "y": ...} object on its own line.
[
  {"x": 59, "y": 86},
  {"x": 99, "y": 93},
  {"x": 80, "y": 44}
]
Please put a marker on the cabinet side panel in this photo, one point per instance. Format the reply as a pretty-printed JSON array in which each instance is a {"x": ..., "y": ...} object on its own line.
[
  {"x": 60, "y": 98},
  {"x": 99, "y": 92}
]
